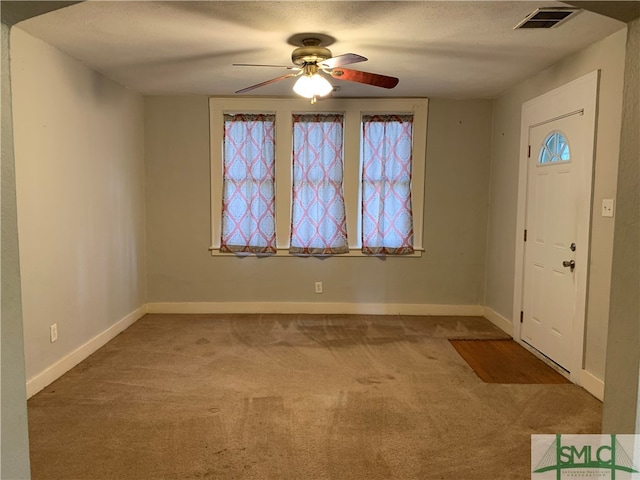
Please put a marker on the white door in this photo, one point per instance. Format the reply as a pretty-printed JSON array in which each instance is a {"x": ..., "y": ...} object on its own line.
[{"x": 557, "y": 201}]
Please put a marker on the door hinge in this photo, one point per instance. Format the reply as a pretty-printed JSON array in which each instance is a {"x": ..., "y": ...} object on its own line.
[
  {"x": 521, "y": 316},
  {"x": 525, "y": 235},
  {"x": 529, "y": 152}
]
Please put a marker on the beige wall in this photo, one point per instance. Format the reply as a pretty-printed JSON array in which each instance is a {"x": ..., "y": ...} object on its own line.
[
  {"x": 14, "y": 438},
  {"x": 622, "y": 394},
  {"x": 181, "y": 268},
  {"x": 608, "y": 56},
  {"x": 80, "y": 189}
]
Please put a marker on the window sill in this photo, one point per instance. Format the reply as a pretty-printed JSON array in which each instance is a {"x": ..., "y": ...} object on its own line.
[{"x": 354, "y": 252}]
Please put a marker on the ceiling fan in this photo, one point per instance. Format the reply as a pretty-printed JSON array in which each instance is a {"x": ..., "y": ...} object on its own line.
[{"x": 313, "y": 63}]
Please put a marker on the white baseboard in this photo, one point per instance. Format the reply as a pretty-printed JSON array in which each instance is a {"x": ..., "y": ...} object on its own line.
[
  {"x": 498, "y": 320},
  {"x": 62, "y": 366},
  {"x": 592, "y": 384},
  {"x": 317, "y": 308},
  {"x": 588, "y": 381}
]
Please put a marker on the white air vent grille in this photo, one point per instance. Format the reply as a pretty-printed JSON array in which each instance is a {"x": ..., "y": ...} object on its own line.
[{"x": 547, "y": 17}]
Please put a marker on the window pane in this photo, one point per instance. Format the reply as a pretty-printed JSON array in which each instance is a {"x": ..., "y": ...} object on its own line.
[
  {"x": 248, "y": 204},
  {"x": 387, "y": 219},
  {"x": 318, "y": 223},
  {"x": 554, "y": 149}
]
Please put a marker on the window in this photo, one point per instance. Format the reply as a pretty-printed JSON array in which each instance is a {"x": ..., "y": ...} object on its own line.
[
  {"x": 387, "y": 223},
  {"x": 320, "y": 187},
  {"x": 318, "y": 224},
  {"x": 554, "y": 149},
  {"x": 248, "y": 201}
]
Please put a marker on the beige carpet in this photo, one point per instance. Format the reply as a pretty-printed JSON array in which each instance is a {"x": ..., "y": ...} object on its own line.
[{"x": 294, "y": 397}]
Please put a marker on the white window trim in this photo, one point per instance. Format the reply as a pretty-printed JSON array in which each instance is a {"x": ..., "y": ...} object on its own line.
[{"x": 353, "y": 109}]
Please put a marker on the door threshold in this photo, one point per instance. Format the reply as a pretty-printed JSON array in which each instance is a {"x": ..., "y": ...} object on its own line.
[{"x": 561, "y": 370}]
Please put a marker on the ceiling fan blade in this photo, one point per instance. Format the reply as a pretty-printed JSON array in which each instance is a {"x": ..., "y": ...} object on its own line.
[
  {"x": 273, "y": 80},
  {"x": 262, "y": 65},
  {"x": 340, "y": 60},
  {"x": 364, "y": 77}
]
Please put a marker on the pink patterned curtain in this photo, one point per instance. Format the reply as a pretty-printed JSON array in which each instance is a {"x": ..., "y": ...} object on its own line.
[
  {"x": 387, "y": 222},
  {"x": 318, "y": 223},
  {"x": 248, "y": 204}
]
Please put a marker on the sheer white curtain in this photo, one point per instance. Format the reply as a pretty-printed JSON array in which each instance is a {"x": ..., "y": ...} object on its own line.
[
  {"x": 387, "y": 218},
  {"x": 318, "y": 223},
  {"x": 248, "y": 204}
]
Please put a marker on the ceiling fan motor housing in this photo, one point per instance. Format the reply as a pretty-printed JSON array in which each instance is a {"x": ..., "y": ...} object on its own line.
[{"x": 310, "y": 52}]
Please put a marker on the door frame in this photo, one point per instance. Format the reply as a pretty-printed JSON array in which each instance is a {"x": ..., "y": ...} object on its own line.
[{"x": 578, "y": 95}]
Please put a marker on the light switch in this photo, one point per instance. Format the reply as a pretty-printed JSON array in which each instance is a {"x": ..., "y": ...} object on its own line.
[{"x": 607, "y": 207}]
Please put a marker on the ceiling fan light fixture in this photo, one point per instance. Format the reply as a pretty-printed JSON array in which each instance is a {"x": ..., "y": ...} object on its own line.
[
  {"x": 314, "y": 64},
  {"x": 314, "y": 85}
]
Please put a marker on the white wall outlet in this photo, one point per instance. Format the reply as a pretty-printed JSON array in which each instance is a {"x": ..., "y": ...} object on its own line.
[
  {"x": 607, "y": 207},
  {"x": 318, "y": 287},
  {"x": 53, "y": 332}
]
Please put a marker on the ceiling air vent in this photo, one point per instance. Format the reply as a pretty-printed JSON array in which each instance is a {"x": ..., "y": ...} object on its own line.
[{"x": 547, "y": 17}]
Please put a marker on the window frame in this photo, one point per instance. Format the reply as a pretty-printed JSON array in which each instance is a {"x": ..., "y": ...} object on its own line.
[{"x": 353, "y": 110}]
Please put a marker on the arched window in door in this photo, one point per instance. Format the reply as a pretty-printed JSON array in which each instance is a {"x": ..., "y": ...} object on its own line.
[{"x": 554, "y": 149}]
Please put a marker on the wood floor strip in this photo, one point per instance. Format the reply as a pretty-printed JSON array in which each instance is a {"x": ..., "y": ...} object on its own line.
[{"x": 504, "y": 361}]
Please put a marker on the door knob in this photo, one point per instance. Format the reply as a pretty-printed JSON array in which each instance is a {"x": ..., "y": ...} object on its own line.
[{"x": 569, "y": 263}]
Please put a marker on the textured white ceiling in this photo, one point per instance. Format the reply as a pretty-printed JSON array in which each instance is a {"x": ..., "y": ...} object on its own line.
[{"x": 449, "y": 49}]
